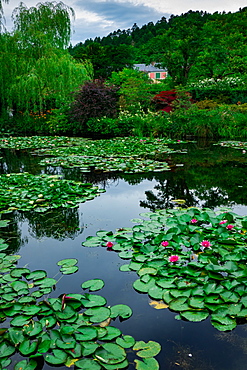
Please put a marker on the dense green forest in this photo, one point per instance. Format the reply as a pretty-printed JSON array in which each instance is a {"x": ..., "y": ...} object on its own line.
[
  {"x": 191, "y": 46},
  {"x": 48, "y": 86}
]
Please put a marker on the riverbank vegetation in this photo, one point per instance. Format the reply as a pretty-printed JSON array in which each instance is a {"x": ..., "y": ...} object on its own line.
[{"x": 49, "y": 87}]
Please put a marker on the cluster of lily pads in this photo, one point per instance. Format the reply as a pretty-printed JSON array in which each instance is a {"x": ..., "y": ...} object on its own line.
[
  {"x": 73, "y": 329},
  {"x": 25, "y": 142},
  {"x": 233, "y": 144},
  {"x": 192, "y": 260},
  {"x": 129, "y": 155},
  {"x": 24, "y": 191}
]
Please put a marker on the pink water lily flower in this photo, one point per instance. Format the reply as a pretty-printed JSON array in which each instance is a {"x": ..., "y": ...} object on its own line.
[
  {"x": 173, "y": 258},
  {"x": 109, "y": 244},
  {"x": 165, "y": 243},
  {"x": 223, "y": 222},
  {"x": 230, "y": 227},
  {"x": 193, "y": 221},
  {"x": 205, "y": 244}
]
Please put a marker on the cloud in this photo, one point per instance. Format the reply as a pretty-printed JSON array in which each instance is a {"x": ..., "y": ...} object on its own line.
[{"x": 108, "y": 16}]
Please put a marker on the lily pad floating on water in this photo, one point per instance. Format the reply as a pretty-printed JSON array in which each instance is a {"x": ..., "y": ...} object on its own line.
[
  {"x": 68, "y": 266},
  {"x": 93, "y": 285}
]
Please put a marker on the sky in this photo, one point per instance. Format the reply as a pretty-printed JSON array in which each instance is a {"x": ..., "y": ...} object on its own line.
[{"x": 100, "y": 17}]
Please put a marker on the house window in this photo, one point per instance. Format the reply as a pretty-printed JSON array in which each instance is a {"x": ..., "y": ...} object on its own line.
[{"x": 157, "y": 75}]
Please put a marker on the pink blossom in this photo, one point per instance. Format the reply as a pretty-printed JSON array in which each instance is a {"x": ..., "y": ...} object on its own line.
[
  {"x": 173, "y": 258},
  {"x": 230, "y": 227},
  {"x": 193, "y": 221},
  {"x": 178, "y": 141},
  {"x": 206, "y": 244},
  {"x": 222, "y": 222},
  {"x": 165, "y": 243},
  {"x": 109, "y": 244}
]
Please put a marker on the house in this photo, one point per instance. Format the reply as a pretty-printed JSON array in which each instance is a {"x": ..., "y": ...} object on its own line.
[{"x": 154, "y": 72}]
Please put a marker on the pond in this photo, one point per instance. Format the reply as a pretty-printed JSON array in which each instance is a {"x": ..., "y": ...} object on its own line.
[{"x": 207, "y": 176}]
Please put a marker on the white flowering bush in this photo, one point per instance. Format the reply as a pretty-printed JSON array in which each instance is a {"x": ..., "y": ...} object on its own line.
[{"x": 224, "y": 83}]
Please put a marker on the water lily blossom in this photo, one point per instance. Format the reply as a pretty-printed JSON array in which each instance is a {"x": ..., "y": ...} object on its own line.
[
  {"x": 173, "y": 258},
  {"x": 109, "y": 244},
  {"x": 223, "y": 222},
  {"x": 205, "y": 244},
  {"x": 230, "y": 227},
  {"x": 193, "y": 221},
  {"x": 165, "y": 243}
]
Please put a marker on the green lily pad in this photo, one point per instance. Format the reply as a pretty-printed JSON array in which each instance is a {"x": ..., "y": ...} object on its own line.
[
  {"x": 120, "y": 310},
  {"x": 194, "y": 315},
  {"x": 127, "y": 341},
  {"x": 26, "y": 365},
  {"x": 6, "y": 350},
  {"x": 98, "y": 314},
  {"x": 146, "y": 350},
  {"x": 58, "y": 357},
  {"x": 67, "y": 262},
  {"x": 88, "y": 364},
  {"x": 93, "y": 285},
  {"x": 147, "y": 364},
  {"x": 110, "y": 353}
]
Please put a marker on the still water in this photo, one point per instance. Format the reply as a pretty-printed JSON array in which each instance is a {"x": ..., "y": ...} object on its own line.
[{"x": 207, "y": 176}]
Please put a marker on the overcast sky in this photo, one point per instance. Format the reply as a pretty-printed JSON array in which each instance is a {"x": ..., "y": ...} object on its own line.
[{"x": 100, "y": 17}]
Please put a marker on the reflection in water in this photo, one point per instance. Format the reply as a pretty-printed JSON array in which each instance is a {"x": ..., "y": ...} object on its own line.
[
  {"x": 187, "y": 358},
  {"x": 12, "y": 234},
  {"x": 58, "y": 224}
]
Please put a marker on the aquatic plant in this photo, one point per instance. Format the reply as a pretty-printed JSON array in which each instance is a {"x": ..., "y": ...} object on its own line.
[
  {"x": 24, "y": 192},
  {"x": 73, "y": 329},
  {"x": 33, "y": 142},
  {"x": 129, "y": 155},
  {"x": 200, "y": 273}
]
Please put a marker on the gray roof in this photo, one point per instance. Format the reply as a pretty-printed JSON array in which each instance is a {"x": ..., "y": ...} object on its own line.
[{"x": 148, "y": 68}]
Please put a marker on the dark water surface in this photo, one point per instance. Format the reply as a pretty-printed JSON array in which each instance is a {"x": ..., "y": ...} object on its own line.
[{"x": 211, "y": 176}]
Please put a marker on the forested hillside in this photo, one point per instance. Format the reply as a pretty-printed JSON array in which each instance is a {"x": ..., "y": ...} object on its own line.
[{"x": 191, "y": 46}]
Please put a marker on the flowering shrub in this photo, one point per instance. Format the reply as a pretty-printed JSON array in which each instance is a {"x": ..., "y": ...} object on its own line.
[
  {"x": 224, "y": 83},
  {"x": 163, "y": 100}
]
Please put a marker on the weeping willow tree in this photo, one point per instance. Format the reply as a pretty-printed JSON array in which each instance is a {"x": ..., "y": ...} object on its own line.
[
  {"x": 1, "y": 13},
  {"x": 36, "y": 70}
]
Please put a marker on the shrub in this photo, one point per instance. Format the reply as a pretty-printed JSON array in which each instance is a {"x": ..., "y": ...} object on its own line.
[
  {"x": 95, "y": 99},
  {"x": 163, "y": 101},
  {"x": 207, "y": 104}
]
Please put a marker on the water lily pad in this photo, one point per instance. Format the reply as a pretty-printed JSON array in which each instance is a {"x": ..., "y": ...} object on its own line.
[
  {"x": 67, "y": 262},
  {"x": 6, "y": 350},
  {"x": 147, "y": 364},
  {"x": 68, "y": 270},
  {"x": 26, "y": 365},
  {"x": 98, "y": 314},
  {"x": 93, "y": 285},
  {"x": 194, "y": 315},
  {"x": 92, "y": 300},
  {"x": 120, "y": 310},
  {"x": 110, "y": 353},
  {"x": 146, "y": 350},
  {"x": 88, "y": 364},
  {"x": 58, "y": 357},
  {"x": 127, "y": 341}
]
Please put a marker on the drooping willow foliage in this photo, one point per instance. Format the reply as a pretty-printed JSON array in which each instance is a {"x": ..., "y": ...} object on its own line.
[
  {"x": 36, "y": 72},
  {"x": 50, "y": 20},
  {"x": 1, "y": 13}
]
